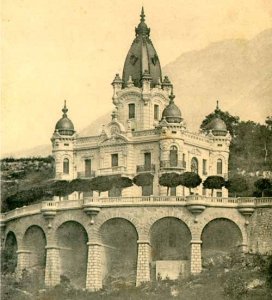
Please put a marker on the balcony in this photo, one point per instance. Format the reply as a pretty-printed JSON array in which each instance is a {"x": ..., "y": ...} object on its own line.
[
  {"x": 83, "y": 175},
  {"x": 111, "y": 171},
  {"x": 146, "y": 168},
  {"x": 167, "y": 165}
]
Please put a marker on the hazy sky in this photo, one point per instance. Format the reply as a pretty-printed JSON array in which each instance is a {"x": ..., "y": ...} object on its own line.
[{"x": 71, "y": 49}]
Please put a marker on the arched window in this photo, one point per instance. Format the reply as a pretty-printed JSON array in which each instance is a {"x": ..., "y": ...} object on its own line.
[
  {"x": 219, "y": 166},
  {"x": 194, "y": 165},
  {"x": 66, "y": 166},
  {"x": 131, "y": 111},
  {"x": 173, "y": 156}
]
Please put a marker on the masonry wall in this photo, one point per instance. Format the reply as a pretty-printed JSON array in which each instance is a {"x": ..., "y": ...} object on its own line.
[{"x": 260, "y": 231}]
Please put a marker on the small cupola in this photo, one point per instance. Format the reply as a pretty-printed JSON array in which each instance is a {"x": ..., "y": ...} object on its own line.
[
  {"x": 172, "y": 113},
  {"x": 65, "y": 126}
]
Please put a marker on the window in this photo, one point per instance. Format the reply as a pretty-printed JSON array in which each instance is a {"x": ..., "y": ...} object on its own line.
[
  {"x": 204, "y": 162},
  {"x": 173, "y": 191},
  {"x": 88, "y": 167},
  {"x": 194, "y": 165},
  {"x": 156, "y": 112},
  {"x": 204, "y": 192},
  {"x": 147, "y": 161},
  {"x": 173, "y": 156},
  {"x": 114, "y": 160},
  {"x": 131, "y": 111},
  {"x": 66, "y": 166},
  {"x": 219, "y": 166}
]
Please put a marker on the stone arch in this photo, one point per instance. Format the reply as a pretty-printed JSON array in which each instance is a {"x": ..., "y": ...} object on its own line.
[
  {"x": 220, "y": 236},
  {"x": 101, "y": 219},
  {"x": 184, "y": 216},
  {"x": 215, "y": 213},
  {"x": 72, "y": 238},
  {"x": 10, "y": 254},
  {"x": 119, "y": 250},
  {"x": 34, "y": 241},
  {"x": 78, "y": 217}
]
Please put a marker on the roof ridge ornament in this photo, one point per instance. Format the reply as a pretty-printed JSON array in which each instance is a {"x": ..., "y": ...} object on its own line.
[{"x": 142, "y": 15}]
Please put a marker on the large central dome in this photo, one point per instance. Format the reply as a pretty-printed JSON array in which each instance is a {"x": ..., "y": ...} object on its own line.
[{"x": 142, "y": 57}]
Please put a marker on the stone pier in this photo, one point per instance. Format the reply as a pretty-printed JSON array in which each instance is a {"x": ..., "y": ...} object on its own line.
[
  {"x": 196, "y": 263},
  {"x": 52, "y": 270},
  {"x": 143, "y": 262},
  {"x": 94, "y": 267}
]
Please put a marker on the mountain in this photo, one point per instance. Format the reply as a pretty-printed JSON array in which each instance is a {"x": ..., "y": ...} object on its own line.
[
  {"x": 41, "y": 150},
  {"x": 236, "y": 72}
]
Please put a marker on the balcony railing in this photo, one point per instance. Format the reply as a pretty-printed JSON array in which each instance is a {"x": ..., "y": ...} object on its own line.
[
  {"x": 90, "y": 174},
  {"x": 136, "y": 201},
  {"x": 146, "y": 168},
  {"x": 111, "y": 170},
  {"x": 167, "y": 164}
]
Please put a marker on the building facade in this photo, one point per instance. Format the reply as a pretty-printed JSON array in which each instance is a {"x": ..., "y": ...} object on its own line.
[
  {"x": 137, "y": 233},
  {"x": 147, "y": 133}
]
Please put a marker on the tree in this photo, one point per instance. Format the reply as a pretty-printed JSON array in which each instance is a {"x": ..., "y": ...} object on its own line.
[
  {"x": 236, "y": 184},
  {"x": 214, "y": 182},
  {"x": 169, "y": 180},
  {"x": 231, "y": 121},
  {"x": 121, "y": 182},
  {"x": 190, "y": 180},
  {"x": 80, "y": 185},
  {"x": 143, "y": 179},
  {"x": 262, "y": 185},
  {"x": 101, "y": 184},
  {"x": 60, "y": 188}
]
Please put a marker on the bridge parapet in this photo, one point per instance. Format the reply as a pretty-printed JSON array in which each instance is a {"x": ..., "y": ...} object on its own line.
[{"x": 100, "y": 202}]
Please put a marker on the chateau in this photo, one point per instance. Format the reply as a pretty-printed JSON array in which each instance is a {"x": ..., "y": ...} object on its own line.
[
  {"x": 142, "y": 231},
  {"x": 146, "y": 134}
]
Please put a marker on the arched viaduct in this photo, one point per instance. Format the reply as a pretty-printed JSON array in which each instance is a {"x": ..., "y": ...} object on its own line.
[{"x": 89, "y": 239}]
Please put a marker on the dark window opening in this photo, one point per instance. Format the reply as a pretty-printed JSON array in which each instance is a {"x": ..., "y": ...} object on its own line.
[
  {"x": 219, "y": 166},
  {"x": 131, "y": 111},
  {"x": 173, "y": 191},
  {"x": 114, "y": 160},
  {"x": 194, "y": 165},
  {"x": 204, "y": 162},
  {"x": 156, "y": 112},
  {"x": 147, "y": 161},
  {"x": 88, "y": 167},
  {"x": 66, "y": 166},
  {"x": 173, "y": 156}
]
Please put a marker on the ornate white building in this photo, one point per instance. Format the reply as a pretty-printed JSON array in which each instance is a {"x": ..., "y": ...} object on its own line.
[{"x": 147, "y": 133}]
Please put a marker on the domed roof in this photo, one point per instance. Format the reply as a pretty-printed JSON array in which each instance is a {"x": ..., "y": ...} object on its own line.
[
  {"x": 65, "y": 126},
  {"x": 217, "y": 125},
  {"x": 142, "y": 57},
  {"x": 172, "y": 113}
]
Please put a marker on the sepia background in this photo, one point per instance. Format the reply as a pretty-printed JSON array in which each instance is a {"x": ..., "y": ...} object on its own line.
[{"x": 71, "y": 49}]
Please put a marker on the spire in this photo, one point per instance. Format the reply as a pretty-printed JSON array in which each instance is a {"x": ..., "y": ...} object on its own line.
[
  {"x": 64, "y": 110},
  {"x": 142, "y": 15},
  {"x": 142, "y": 28}
]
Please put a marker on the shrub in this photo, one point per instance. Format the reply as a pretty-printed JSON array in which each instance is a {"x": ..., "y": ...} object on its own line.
[{"x": 235, "y": 286}]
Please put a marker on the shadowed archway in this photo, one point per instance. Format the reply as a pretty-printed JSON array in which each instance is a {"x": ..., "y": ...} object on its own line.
[
  {"x": 9, "y": 255},
  {"x": 219, "y": 237},
  {"x": 72, "y": 240},
  {"x": 119, "y": 253},
  {"x": 170, "y": 241}
]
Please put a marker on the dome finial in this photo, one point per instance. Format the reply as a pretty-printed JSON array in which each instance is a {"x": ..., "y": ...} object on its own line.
[
  {"x": 172, "y": 96},
  {"x": 142, "y": 15},
  {"x": 217, "y": 109},
  {"x": 65, "y": 109}
]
